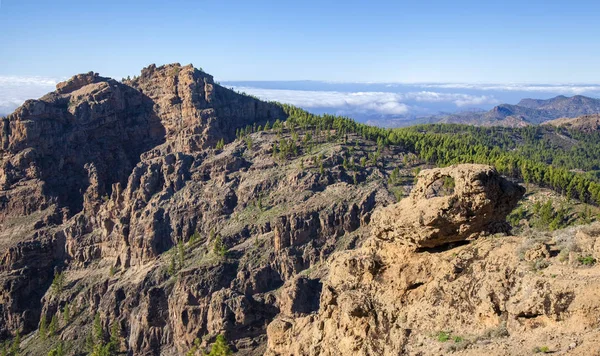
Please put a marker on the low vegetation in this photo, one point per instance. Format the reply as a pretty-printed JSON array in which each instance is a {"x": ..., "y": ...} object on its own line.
[{"x": 219, "y": 348}]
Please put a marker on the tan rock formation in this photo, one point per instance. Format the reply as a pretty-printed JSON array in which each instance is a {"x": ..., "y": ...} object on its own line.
[{"x": 449, "y": 205}]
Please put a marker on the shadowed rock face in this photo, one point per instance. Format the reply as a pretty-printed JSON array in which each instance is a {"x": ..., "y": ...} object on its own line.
[
  {"x": 449, "y": 205},
  {"x": 91, "y": 131},
  {"x": 64, "y": 155},
  {"x": 89, "y": 134}
]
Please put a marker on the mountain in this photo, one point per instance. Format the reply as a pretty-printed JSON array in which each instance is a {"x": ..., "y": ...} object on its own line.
[
  {"x": 115, "y": 203},
  {"x": 167, "y": 215},
  {"x": 526, "y": 112}
]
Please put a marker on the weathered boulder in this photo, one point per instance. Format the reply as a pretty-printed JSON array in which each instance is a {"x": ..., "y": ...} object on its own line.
[{"x": 448, "y": 205}]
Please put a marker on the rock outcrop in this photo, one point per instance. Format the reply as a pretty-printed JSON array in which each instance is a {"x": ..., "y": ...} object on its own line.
[
  {"x": 449, "y": 205},
  {"x": 80, "y": 165},
  {"x": 586, "y": 123}
]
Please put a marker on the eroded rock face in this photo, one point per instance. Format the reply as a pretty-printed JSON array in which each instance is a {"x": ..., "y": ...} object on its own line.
[
  {"x": 448, "y": 205},
  {"x": 79, "y": 165}
]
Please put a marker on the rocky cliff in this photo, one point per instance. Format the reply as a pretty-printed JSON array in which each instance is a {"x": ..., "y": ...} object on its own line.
[{"x": 86, "y": 171}]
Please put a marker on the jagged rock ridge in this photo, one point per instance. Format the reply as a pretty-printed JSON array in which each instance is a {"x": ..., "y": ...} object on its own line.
[{"x": 526, "y": 112}]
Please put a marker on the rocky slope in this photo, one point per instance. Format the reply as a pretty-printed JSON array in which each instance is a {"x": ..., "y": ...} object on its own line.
[
  {"x": 427, "y": 282},
  {"x": 159, "y": 213},
  {"x": 586, "y": 123}
]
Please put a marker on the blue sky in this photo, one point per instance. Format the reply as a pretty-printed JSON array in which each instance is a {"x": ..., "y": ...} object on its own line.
[
  {"x": 440, "y": 55},
  {"x": 375, "y": 41}
]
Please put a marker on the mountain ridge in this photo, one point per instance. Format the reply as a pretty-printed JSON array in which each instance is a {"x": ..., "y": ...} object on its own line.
[{"x": 526, "y": 112}]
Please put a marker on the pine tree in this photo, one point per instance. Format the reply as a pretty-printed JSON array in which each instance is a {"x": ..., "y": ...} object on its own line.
[
  {"x": 57, "y": 351},
  {"x": 115, "y": 338},
  {"x": 220, "y": 347},
  {"x": 15, "y": 348},
  {"x": 58, "y": 282},
  {"x": 98, "y": 330},
  {"x": 53, "y": 327},
  {"x": 219, "y": 247},
  {"x": 43, "y": 329},
  {"x": 172, "y": 265},
  {"x": 89, "y": 342},
  {"x": 181, "y": 254},
  {"x": 66, "y": 313}
]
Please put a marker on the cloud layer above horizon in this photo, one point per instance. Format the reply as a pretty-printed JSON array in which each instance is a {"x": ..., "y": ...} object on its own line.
[
  {"x": 359, "y": 100},
  {"x": 365, "y": 102},
  {"x": 15, "y": 90}
]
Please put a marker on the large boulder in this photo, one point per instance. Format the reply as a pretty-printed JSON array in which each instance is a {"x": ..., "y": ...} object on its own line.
[{"x": 448, "y": 205}]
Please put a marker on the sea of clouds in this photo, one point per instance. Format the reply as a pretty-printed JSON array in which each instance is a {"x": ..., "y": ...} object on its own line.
[
  {"x": 365, "y": 102},
  {"x": 15, "y": 90},
  {"x": 370, "y": 102}
]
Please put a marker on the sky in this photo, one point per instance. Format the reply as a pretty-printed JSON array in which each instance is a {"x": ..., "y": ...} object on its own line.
[{"x": 377, "y": 41}]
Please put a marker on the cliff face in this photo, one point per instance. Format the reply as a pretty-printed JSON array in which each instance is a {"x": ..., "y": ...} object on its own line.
[{"x": 82, "y": 165}]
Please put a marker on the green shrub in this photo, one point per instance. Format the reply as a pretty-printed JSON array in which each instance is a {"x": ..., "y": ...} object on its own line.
[
  {"x": 220, "y": 144},
  {"x": 517, "y": 215},
  {"x": 541, "y": 349},
  {"x": 443, "y": 336},
  {"x": 449, "y": 183},
  {"x": 57, "y": 351},
  {"x": 220, "y": 347},
  {"x": 195, "y": 237},
  {"x": 587, "y": 260},
  {"x": 219, "y": 247}
]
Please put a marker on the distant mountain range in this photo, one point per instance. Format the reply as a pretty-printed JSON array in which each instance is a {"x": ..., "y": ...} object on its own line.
[{"x": 525, "y": 112}]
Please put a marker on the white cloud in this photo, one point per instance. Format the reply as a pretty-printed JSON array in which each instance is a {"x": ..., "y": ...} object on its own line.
[
  {"x": 575, "y": 89},
  {"x": 383, "y": 103},
  {"x": 460, "y": 100},
  {"x": 15, "y": 90}
]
